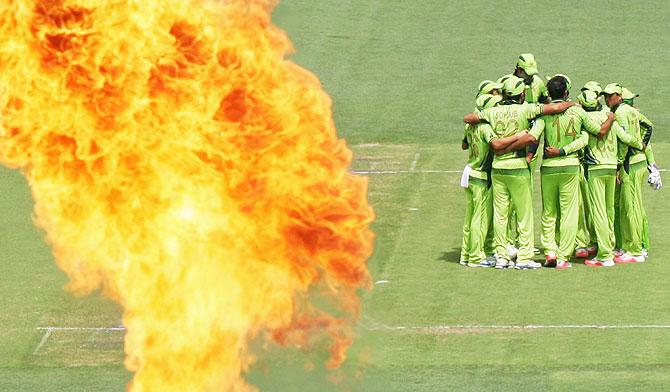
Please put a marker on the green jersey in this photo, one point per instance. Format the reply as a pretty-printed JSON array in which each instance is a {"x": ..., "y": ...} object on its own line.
[
  {"x": 602, "y": 154},
  {"x": 479, "y": 136},
  {"x": 507, "y": 120},
  {"x": 564, "y": 131},
  {"x": 648, "y": 152},
  {"x": 629, "y": 118},
  {"x": 536, "y": 91}
]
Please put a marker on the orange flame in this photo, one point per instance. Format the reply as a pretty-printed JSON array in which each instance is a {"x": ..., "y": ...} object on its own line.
[{"x": 179, "y": 162}]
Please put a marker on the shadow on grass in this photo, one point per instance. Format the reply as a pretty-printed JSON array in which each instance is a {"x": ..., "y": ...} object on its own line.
[{"x": 452, "y": 256}]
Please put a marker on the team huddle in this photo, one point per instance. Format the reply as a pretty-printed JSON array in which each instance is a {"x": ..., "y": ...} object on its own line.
[{"x": 594, "y": 157}]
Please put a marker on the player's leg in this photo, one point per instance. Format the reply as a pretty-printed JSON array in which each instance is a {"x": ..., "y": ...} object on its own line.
[
  {"x": 585, "y": 237},
  {"x": 465, "y": 244},
  {"x": 618, "y": 232},
  {"x": 489, "y": 247},
  {"x": 522, "y": 201},
  {"x": 568, "y": 194},
  {"x": 601, "y": 198},
  {"x": 501, "y": 206},
  {"x": 549, "y": 187},
  {"x": 631, "y": 217},
  {"x": 478, "y": 224}
]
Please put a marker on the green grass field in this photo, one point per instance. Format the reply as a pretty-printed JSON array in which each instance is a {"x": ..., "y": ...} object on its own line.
[{"x": 402, "y": 74}]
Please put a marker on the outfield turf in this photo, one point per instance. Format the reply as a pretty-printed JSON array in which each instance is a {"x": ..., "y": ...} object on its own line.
[{"x": 402, "y": 74}]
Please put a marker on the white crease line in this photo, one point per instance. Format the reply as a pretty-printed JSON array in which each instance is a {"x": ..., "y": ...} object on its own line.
[
  {"x": 412, "y": 167},
  {"x": 119, "y": 328},
  {"x": 43, "y": 341}
]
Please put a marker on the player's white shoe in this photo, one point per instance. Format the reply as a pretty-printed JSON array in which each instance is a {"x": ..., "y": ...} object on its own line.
[
  {"x": 528, "y": 265},
  {"x": 502, "y": 263},
  {"x": 628, "y": 258},
  {"x": 463, "y": 262},
  {"x": 562, "y": 264},
  {"x": 482, "y": 264},
  {"x": 645, "y": 253},
  {"x": 513, "y": 251},
  {"x": 581, "y": 253}
]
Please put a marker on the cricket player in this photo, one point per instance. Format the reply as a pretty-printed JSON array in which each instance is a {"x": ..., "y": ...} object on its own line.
[
  {"x": 654, "y": 178},
  {"x": 561, "y": 170},
  {"x": 526, "y": 69},
  {"x": 478, "y": 210},
  {"x": 632, "y": 175},
  {"x": 600, "y": 156},
  {"x": 510, "y": 174}
]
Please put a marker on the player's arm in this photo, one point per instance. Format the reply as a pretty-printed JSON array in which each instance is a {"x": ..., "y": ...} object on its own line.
[
  {"x": 501, "y": 146},
  {"x": 626, "y": 137},
  {"x": 649, "y": 153},
  {"x": 599, "y": 131},
  {"x": 464, "y": 142},
  {"x": 472, "y": 118},
  {"x": 577, "y": 144},
  {"x": 557, "y": 107}
]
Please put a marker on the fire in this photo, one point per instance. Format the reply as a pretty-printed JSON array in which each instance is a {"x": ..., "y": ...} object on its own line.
[{"x": 179, "y": 162}]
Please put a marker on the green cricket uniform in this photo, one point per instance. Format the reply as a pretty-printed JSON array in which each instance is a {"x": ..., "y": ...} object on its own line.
[
  {"x": 633, "y": 175},
  {"x": 512, "y": 185},
  {"x": 478, "y": 212},
  {"x": 649, "y": 153},
  {"x": 560, "y": 177},
  {"x": 600, "y": 157},
  {"x": 537, "y": 91}
]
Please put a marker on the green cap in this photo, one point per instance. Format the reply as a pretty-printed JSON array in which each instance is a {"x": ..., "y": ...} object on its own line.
[
  {"x": 513, "y": 86},
  {"x": 613, "y": 88},
  {"x": 567, "y": 79},
  {"x": 486, "y": 101},
  {"x": 527, "y": 63},
  {"x": 588, "y": 99},
  {"x": 593, "y": 86},
  {"x": 504, "y": 77},
  {"x": 627, "y": 94},
  {"x": 487, "y": 86}
]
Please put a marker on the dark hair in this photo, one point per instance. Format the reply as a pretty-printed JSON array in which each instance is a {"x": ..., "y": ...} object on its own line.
[{"x": 557, "y": 86}]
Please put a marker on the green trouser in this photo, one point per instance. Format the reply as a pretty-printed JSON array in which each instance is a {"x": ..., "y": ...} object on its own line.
[
  {"x": 618, "y": 235},
  {"x": 645, "y": 230},
  {"x": 476, "y": 225},
  {"x": 512, "y": 188},
  {"x": 602, "y": 184},
  {"x": 631, "y": 210},
  {"x": 585, "y": 234},
  {"x": 560, "y": 197},
  {"x": 489, "y": 248}
]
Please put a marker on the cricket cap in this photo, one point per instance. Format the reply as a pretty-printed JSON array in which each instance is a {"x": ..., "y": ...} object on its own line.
[
  {"x": 613, "y": 88},
  {"x": 588, "y": 99},
  {"x": 627, "y": 94},
  {"x": 527, "y": 63},
  {"x": 593, "y": 86},
  {"x": 487, "y": 86},
  {"x": 486, "y": 101},
  {"x": 503, "y": 78},
  {"x": 513, "y": 86}
]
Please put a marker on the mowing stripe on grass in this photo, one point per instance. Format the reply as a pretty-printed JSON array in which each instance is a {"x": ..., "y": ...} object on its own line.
[
  {"x": 429, "y": 171},
  {"x": 502, "y": 328}
]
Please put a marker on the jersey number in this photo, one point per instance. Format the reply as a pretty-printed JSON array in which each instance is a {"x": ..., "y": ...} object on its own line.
[{"x": 569, "y": 131}]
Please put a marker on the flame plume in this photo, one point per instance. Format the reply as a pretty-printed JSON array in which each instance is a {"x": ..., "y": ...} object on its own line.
[{"x": 181, "y": 164}]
